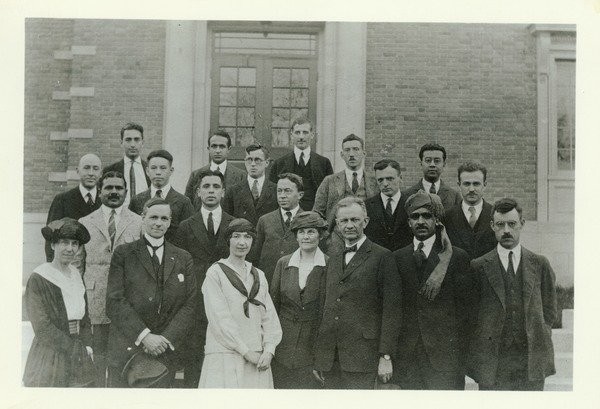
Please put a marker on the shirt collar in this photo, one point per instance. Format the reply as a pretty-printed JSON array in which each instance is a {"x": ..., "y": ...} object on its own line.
[
  {"x": 358, "y": 243},
  {"x": 127, "y": 159},
  {"x": 260, "y": 180},
  {"x": 93, "y": 191},
  {"x": 395, "y": 198},
  {"x": 164, "y": 190},
  {"x": 359, "y": 173},
  {"x": 294, "y": 211},
  {"x": 154, "y": 242},
  {"x": 478, "y": 207},
  {"x": 319, "y": 259},
  {"x": 106, "y": 210},
  {"x": 216, "y": 212},
  {"x": 427, "y": 185},
  {"x": 297, "y": 153},
  {"x": 427, "y": 244},
  {"x": 222, "y": 166},
  {"x": 503, "y": 252}
]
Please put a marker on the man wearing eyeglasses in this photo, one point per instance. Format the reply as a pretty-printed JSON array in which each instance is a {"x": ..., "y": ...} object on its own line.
[
  {"x": 255, "y": 195},
  {"x": 511, "y": 347},
  {"x": 429, "y": 354},
  {"x": 433, "y": 161}
]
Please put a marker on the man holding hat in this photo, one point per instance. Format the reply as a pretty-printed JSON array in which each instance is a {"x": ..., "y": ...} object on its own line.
[
  {"x": 151, "y": 301},
  {"x": 429, "y": 349}
]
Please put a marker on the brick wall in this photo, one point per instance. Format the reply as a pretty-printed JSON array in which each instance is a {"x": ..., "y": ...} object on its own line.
[{"x": 471, "y": 88}]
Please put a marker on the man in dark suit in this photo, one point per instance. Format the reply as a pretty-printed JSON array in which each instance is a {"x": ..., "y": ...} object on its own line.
[
  {"x": 468, "y": 224},
  {"x": 310, "y": 166},
  {"x": 255, "y": 195},
  {"x": 80, "y": 201},
  {"x": 511, "y": 347},
  {"x": 388, "y": 224},
  {"x": 274, "y": 239},
  {"x": 132, "y": 166},
  {"x": 219, "y": 145},
  {"x": 203, "y": 236},
  {"x": 151, "y": 297},
  {"x": 433, "y": 160},
  {"x": 159, "y": 170},
  {"x": 430, "y": 350},
  {"x": 360, "y": 325}
]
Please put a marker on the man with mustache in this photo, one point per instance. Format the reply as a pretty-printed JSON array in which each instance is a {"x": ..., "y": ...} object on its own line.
[
  {"x": 132, "y": 165},
  {"x": 79, "y": 201},
  {"x": 109, "y": 226},
  {"x": 203, "y": 236},
  {"x": 433, "y": 160},
  {"x": 468, "y": 224},
  {"x": 302, "y": 161},
  {"x": 515, "y": 308},
  {"x": 159, "y": 169},
  {"x": 430, "y": 351}
]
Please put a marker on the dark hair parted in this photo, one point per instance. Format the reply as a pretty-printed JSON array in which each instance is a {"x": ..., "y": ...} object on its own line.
[
  {"x": 155, "y": 201},
  {"x": 295, "y": 179},
  {"x": 111, "y": 174},
  {"x": 353, "y": 137},
  {"x": 432, "y": 147},
  {"x": 206, "y": 173},
  {"x": 161, "y": 153},
  {"x": 301, "y": 121},
  {"x": 256, "y": 146},
  {"x": 132, "y": 125},
  {"x": 505, "y": 205},
  {"x": 384, "y": 163},
  {"x": 222, "y": 133},
  {"x": 472, "y": 167}
]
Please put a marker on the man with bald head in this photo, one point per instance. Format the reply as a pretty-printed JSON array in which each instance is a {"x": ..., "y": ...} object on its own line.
[{"x": 79, "y": 201}]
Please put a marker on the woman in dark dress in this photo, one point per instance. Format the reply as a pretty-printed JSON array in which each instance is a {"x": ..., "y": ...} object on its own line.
[
  {"x": 55, "y": 302},
  {"x": 296, "y": 289}
]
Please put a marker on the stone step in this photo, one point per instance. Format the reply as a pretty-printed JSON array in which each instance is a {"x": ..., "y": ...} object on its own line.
[
  {"x": 554, "y": 383},
  {"x": 562, "y": 339},
  {"x": 564, "y": 365},
  {"x": 567, "y": 319}
]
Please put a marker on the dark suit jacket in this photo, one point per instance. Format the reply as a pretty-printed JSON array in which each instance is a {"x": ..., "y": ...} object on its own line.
[
  {"x": 475, "y": 241},
  {"x": 131, "y": 301},
  {"x": 539, "y": 302},
  {"x": 273, "y": 241},
  {"x": 441, "y": 323},
  {"x": 394, "y": 236},
  {"x": 238, "y": 201},
  {"x": 120, "y": 167},
  {"x": 320, "y": 167},
  {"x": 361, "y": 310},
  {"x": 68, "y": 204},
  {"x": 298, "y": 311},
  {"x": 449, "y": 196},
  {"x": 181, "y": 208},
  {"x": 233, "y": 176}
]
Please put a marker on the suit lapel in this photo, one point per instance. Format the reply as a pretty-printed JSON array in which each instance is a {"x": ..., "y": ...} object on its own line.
[
  {"x": 430, "y": 263},
  {"x": 340, "y": 183},
  {"x": 358, "y": 259},
  {"x": 265, "y": 194},
  {"x": 293, "y": 287},
  {"x": 493, "y": 272},
  {"x": 168, "y": 261},
  {"x": 199, "y": 229},
  {"x": 125, "y": 221},
  {"x": 528, "y": 269},
  {"x": 97, "y": 219},
  {"x": 370, "y": 185},
  {"x": 144, "y": 257}
]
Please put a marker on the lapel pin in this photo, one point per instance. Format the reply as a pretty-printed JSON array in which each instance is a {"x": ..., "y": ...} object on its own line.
[{"x": 180, "y": 277}]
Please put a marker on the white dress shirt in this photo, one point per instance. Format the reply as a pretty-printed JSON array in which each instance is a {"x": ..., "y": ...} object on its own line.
[
  {"x": 156, "y": 243},
  {"x": 217, "y": 215},
  {"x": 261, "y": 181},
  {"x": 478, "y": 208},
  {"x": 427, "y": 185},
  {"x": 359, "y": 175},
  {"x": 93, "y": 191},
  {"x": 395, "y": 200},
  {"x": 106, "y": 213},
  {"x": 222, "y": 166},
  {"x": 294, "y": 211},
  {"x": 163, "y": 190},
  {"x": 140, "y": 175},
  {"x": 348, "y": 256},
  {"x": 305, "y": 269},
  {"x": 297, "y": 153},
  {"x": 427, "y": 244},
  {"x": 503, "y": 253}
]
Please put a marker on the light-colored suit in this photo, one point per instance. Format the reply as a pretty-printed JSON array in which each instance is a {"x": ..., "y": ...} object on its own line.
[
  {"x": 99, "y": 253},
  {"x": 333, "y": 188}
]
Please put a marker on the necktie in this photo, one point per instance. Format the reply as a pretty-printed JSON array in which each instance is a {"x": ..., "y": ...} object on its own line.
[
  {"x": 472, "y": 218},
  {"x": 159, "y": 193},
  {"x": 89, "y": 200},
  {"x": 218, "y": 169},
  {"x": 351, "y": 249},
  {"x": 158, "y": 272},
  {"x": 511, "y": 268},
  {"x": 388, "y": 207},
  {"x": 111, "y": 227},
  {"x": 432, "y": 189},
  {"x": 288, "y": 219},
  {"x": 420, "y": 256},
  {"x": 354, "y": 183},
  {"x": 255, "y": 190},
  {"x": 301, "y": 162},
  {"x": 132, "y": 191},
  {"x": 210, "y": 224}
]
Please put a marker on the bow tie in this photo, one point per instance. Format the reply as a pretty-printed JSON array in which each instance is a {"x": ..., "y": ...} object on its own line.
[{"x": 351, "y": 249}]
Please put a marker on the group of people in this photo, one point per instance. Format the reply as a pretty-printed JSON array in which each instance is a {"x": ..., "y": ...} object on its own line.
[{"x": 287, "y": 275}]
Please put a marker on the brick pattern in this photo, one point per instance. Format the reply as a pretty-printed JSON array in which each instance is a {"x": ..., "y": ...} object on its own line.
[{"x": 469, "y": 87}]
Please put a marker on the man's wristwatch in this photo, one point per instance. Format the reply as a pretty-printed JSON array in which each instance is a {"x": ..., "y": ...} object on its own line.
[{"x": 385, "y": 356}]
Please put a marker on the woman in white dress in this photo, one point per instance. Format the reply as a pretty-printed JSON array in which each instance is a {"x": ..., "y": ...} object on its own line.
[{"x": 243, "y": 327}]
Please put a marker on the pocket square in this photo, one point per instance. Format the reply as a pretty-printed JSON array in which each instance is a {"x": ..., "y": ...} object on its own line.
[{"x": 180, "y": 277}]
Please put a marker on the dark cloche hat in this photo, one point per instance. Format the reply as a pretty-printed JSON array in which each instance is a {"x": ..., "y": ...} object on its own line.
[
  {"x": 240, "y": 225},
  {"x": 65, "y": 228},
  {"x": 307, "y": 219}
]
